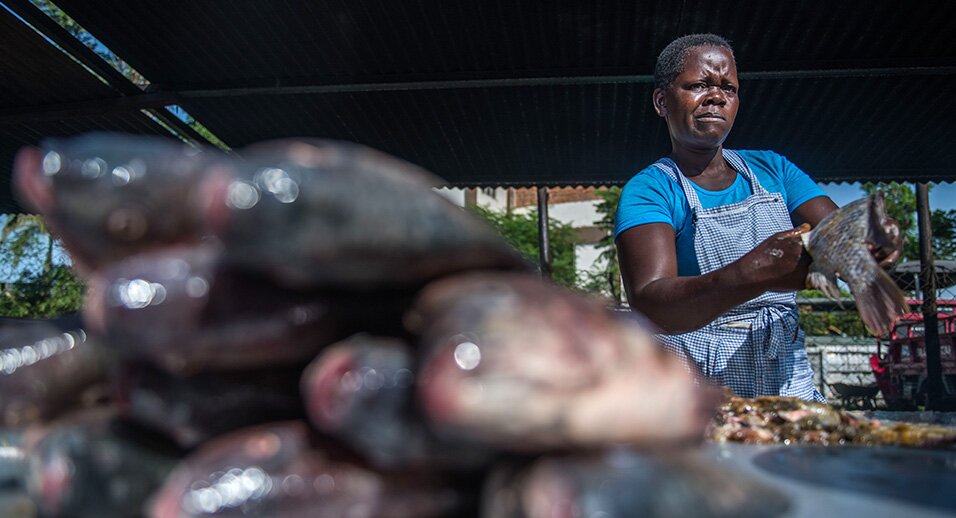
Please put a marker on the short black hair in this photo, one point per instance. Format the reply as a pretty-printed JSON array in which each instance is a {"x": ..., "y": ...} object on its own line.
[{"x": 671, "y": 60}]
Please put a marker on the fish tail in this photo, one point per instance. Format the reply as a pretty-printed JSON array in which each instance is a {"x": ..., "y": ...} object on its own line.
[{"x": 880, "y": 303}]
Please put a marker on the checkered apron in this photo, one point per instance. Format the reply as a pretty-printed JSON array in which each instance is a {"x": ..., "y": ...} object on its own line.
[{"x": 756, "y": 348}]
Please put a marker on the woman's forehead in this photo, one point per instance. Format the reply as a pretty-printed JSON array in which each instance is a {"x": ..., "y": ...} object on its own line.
[{"x": 708, "y": 56}]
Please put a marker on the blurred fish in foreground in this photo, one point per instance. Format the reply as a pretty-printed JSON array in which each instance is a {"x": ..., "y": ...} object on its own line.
[
  {"x": 841, "y": 247},
  {"x": 516, "y": 362},
  {"x": 275, "y": 470},
  {"x": 621, "y": 482}
]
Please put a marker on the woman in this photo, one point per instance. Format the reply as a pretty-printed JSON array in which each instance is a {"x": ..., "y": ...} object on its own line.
[{"x": 706, "y": 237}]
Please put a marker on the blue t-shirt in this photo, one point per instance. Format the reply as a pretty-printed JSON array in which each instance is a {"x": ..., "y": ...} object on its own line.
[{"x": 652, "y": 196}]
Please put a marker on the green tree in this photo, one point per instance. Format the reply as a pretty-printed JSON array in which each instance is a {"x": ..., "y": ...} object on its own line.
[
  {"x": 37, "y": 287},
  {"x": 943, "y": 224},
  {"x": 521, "y": 231},
  {"x": 606, "y": 277},
  {"x": 901, "y": 206}
]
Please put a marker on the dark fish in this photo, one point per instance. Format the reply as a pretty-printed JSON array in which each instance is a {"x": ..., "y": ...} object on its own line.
[
  {"x": 17, "y": 504},
  {"x": 13, "y": 459},
  {"x": 93, "y": 465},
  {"x": 48, "y": 371},
  {"x": 327, "y": 213},
  {"x": 526, "y": 365},
  {"x": 362, "y": 390},
  {"x": 626, "y": 483},
  {"x": 110, "y": 195},
  {"x": 273, "y": 470},
  {"x": 184, "y": 310},
  {"x": 193, "y": 409},
  {"x": 840, "y": 247}
]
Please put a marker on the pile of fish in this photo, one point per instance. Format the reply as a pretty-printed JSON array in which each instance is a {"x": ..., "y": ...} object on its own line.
[
  {"x": 788, "y": 420},
  {"x": 305, "y": 328}
]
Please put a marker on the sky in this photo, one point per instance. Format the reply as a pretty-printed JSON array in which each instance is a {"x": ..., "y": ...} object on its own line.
[{"x": 942, "y": 196}]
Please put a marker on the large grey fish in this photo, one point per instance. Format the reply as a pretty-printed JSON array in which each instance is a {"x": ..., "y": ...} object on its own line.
[
  {"x": 91, "y": 464},
  {"x": 362, "y": 392},
  {"x": 43, "y": 371},
  {"x": 193, "y": 409},
  {"x": 275, "y": 470},
  {"x": 522, "y": 364},
  {"x": 321, "y": 213},
  {"x": 622, "y": 482},
  {"x": 109, "y": 195},
  {"x": 840, "y": 246}
]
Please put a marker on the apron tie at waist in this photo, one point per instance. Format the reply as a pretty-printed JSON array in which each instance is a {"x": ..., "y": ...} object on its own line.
[
  {"x": 770, "y": 326},
  {"x": 778, "y": 325}
]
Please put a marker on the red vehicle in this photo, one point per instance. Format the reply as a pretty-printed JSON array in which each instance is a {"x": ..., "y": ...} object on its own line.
[{"x": 899, "y": 365}]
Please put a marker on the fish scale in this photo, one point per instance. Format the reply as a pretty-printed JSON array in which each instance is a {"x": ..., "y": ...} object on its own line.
[{"x": 840, "y": 248}]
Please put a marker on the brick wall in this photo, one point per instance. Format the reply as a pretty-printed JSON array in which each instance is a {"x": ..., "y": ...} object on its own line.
[{"x": 528, "y": 196}]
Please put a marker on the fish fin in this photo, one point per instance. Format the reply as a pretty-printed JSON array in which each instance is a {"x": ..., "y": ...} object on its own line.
[
  {"x": 823, "y": 281},
  {"x": 880, "y": 304}
]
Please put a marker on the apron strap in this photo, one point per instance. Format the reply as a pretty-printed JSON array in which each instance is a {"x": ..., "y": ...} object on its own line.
[{"x": 670, "y": 168}]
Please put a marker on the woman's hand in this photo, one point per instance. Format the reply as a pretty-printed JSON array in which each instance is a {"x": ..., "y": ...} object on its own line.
[{"x": 779, "y": 263}]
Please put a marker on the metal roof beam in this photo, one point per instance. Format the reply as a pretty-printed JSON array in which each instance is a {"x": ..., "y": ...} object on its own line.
[
  {"x": 76, "y": 49},
  {"x": 198, "y": 93},
  {"x": 88, "y": 108}
]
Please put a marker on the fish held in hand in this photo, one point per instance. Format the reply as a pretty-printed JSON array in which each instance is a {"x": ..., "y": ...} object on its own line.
[{"x": 841, "y": 248}]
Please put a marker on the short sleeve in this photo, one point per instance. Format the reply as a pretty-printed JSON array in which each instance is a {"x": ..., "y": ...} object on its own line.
[
  {"x": 799, "y": 187},
  {"x": 644, "y": 199}
]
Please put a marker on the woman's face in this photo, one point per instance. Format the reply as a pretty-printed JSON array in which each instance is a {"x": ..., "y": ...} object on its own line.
[{"x": 701, "y": 104}]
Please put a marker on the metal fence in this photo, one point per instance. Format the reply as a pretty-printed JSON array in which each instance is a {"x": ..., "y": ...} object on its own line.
[{"x": 840, "y": 360}]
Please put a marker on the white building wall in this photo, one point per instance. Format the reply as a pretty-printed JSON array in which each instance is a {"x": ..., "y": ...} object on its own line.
[{"x": 576, "y": 214}]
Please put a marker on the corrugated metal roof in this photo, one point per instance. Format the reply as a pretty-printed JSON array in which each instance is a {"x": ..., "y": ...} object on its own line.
[
  {"x": 37, "y": 76},
  {"x": 548, "y": 92}
]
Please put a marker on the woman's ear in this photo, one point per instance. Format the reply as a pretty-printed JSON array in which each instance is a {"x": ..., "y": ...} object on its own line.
[{"x": 660, "y": 104}]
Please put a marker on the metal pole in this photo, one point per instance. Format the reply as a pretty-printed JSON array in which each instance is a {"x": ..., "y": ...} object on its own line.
[
  {"x": 544, "y": 252},
  {"x": 934, "y": 369}
]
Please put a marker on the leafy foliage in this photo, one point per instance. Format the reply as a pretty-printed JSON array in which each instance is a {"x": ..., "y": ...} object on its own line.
[
  {"x": 521, "y": 231},
  {"x": 42, "y": 294},
  {"x": 606, "y": 278},
  {"x": 820, "y": 323},
  {"x": 943, "y": 225},
  {"x": 901, "y": 206},
  {"x": 39, "y": 288}
]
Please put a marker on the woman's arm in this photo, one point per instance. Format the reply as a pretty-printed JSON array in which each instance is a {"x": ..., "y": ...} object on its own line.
[
  {"x": 813, "y": 211},
  {"x": 648, "y": 262}
]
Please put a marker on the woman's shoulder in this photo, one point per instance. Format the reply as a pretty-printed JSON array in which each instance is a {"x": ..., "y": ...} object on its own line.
[
  {"x": 651, "y": 176},
  {"x": 767, "y": 158}
]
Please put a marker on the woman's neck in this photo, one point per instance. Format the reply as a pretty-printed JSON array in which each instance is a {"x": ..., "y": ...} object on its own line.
[{"x": 707, "y": 168}]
